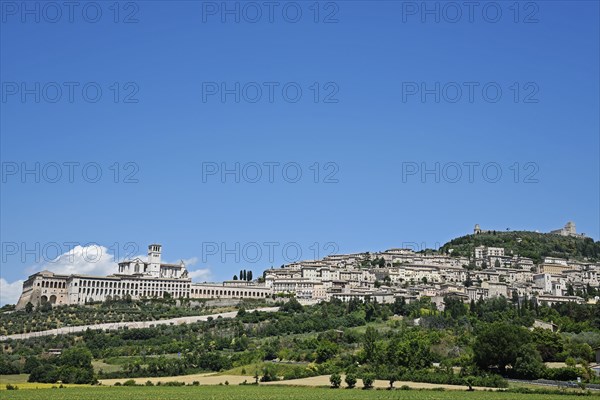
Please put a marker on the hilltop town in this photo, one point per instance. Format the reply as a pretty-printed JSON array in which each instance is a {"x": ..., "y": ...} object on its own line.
[{"x": 466, "y": 273}]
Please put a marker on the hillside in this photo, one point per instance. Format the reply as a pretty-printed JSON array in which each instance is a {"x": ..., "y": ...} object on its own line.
[{"x": 528, "y": 244}]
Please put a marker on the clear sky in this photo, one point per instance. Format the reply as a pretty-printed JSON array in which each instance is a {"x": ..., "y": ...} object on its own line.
[{"x": 359, "y": 97}]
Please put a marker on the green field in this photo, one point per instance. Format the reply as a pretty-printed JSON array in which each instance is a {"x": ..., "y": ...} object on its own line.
[{"x": 261, "y": 393}]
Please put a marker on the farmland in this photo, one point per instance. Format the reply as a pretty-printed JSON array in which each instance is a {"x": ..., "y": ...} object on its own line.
[
  {"x": 260, "y": 393},
  {"x": 478, "y": 345}
]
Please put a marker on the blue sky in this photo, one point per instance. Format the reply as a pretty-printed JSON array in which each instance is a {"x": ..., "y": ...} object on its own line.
[{"x": 379, "y": 104}]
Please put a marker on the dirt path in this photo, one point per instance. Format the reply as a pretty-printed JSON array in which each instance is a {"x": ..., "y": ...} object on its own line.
[
  {"x": 204, "y": 379},
  {"x": 323, "y": 380}
]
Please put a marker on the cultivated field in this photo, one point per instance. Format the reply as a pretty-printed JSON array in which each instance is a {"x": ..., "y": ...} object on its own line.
[
  {"x": 316, "y": 381},
  {"x": 260, "y": 393}
]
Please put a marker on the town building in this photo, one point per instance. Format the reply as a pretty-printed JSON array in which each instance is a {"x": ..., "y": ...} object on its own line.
[{"x": 380, "y": 276}]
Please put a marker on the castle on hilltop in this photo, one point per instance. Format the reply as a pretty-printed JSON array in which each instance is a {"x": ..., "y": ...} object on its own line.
[
  {"x": 477, "y": 230},
  {"x": 568, "y": 230}
]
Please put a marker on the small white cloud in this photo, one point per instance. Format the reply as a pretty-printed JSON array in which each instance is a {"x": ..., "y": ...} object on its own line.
[
  {"x": 200, "y": 275},
  {"x": 10, "y": 292},
  {"x": 88, "y": 260},
  {"x": 190, "y": 261}
]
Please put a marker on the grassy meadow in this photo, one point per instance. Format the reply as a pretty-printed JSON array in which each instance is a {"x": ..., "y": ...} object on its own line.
[{"x": 261, "y": 393}]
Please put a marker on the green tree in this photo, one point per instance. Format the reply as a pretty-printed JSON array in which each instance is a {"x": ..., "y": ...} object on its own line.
[
  {"x": 292, "y": 306},
  {"x": 369, "y": 311},
  {"x": 410, "y": 349},
  {"x": 336, "y": 380},
  {"x": 454, "y": 307},
  {"x": 29, "y": 307},
  {"x": 256, "y": 377},
  {"x": 31, "y": 363},
  {"x": 515, "y": 297},
  {"x": 468, "y": 282},
  {"x": 470, "y": 381},
  {"x": 528, "y": 364},
  {"x": 399, "y": 306},
  {"x": 368, "y": 380},
  {"x": 350, "y": 380},
  {"x": 391, "y": 379},
  {"x": 497, "y": 345},
  {"x": 326, "y": 350},
  {"x": 6, "y": 367},
  {"x": 79, "y": 357},
  {"x": 548, "y": 343},
  {"x": 45, "y": 307},
  {"x": 369, "y": 344}
]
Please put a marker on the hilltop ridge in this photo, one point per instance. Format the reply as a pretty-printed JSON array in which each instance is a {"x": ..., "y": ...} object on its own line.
[{"x": 529, "y": 244}]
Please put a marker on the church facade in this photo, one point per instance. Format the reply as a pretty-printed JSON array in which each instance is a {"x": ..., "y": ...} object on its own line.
[{"x": 135, "y": 278}]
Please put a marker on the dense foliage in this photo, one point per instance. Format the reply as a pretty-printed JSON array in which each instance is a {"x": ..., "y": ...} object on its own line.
[
  {"x": 469, "y": 344},
  {"x": 74, "y": 365},
  {"x": 527, "y": 244},
  {"x": 126, "y": 310}
]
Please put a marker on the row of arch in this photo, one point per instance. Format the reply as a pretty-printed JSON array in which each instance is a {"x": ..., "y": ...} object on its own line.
[
  {"x": 102, "y": 284},
  {"x": 123, "y": 292},
  {"x": 54, "y": 284},
  {"x": 131, "y": 285},
  {"x": 234, "y": 293}
]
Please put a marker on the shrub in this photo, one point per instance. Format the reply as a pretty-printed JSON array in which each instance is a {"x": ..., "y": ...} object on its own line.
[
  {"x": 174, "y": 383},
  {"x": 269, "y": 375},
  {"x": 368, "y": 380},
  {"x": 350, "y": 381},
  {"x": 563, "y": 374},
  {"x": 336, "y": 380}
]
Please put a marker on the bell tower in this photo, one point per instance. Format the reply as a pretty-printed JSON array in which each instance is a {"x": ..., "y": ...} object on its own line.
[{"x": 154, "y": 260}]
